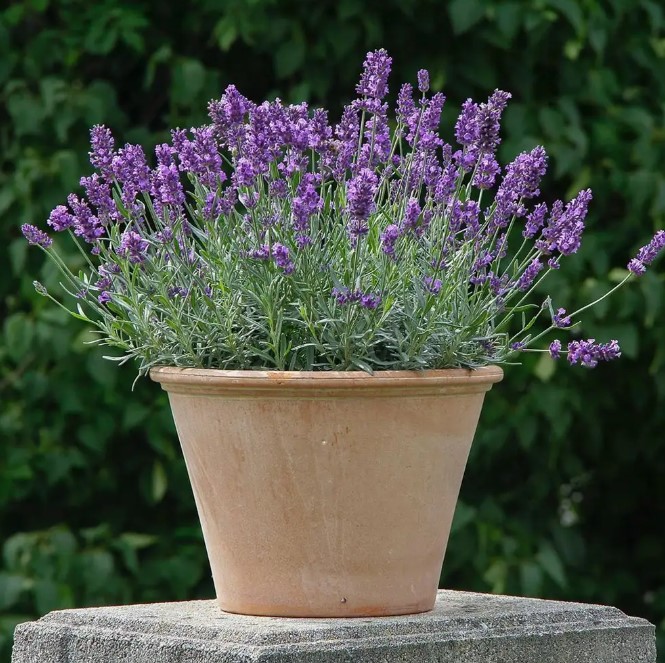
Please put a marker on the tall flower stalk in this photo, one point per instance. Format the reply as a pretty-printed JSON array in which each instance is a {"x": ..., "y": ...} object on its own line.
[{"x": 272, "y": 239}]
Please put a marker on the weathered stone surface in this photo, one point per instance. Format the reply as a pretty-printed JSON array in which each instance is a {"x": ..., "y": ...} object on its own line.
[{"x": 463, "y": 628}]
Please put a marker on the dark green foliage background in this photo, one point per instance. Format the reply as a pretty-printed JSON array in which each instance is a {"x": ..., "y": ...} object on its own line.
[{"x": 565, "y": 491}]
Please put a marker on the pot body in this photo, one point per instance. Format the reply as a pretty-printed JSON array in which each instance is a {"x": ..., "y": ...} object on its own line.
[{"x": 326, "y": 494}]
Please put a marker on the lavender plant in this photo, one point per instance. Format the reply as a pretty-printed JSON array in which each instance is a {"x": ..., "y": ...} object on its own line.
[{"x": 271, "y": 239}]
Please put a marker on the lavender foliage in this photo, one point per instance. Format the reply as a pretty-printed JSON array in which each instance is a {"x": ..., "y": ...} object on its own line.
[{"x": 271, "y": 238}]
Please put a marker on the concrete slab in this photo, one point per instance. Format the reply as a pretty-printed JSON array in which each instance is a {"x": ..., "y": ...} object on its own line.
[{"x": 463, "y": 628}]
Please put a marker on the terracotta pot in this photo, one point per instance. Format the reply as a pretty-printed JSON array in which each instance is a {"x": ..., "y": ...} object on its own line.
[{"x": 326, "y": 494}]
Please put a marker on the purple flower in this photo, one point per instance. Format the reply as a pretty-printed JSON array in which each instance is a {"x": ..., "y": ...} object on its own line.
[
  {"x": 464, "y": 215},
  {"x": 133, "y": 246},
  {"x": 411, "y": 214},
  {"x": 589, "y": 353},
  {"x": 86, "y": 224},
  {"x": 360, "y": 198},
  {"x": 307, "y": 202},
  {"x": 560, "y": 319},
  {"x": 445, "y": 185},
  {"x": 488, "y": 118},
  {"x": 36, "y": 236},
  {"x": 428, "y": 136},
  {"x": 564, "y": 228},
  {"x": 346, "y": 142},
  {"x": 370, "y": 301},
  {"x": 345, "y": 296},
  {"x": 389, "y": 237},
  {"x": 342, "y": 295},
  {"x": 535, "y": 220},
  {"x": 103, "y": 283},
  {"x": 467, "y": 128},
  {"x": 555, "y": 349},
  {"x": 212, "y": 208},
  {"x": 432, "y": 285},
  {"x": 176, "y": 291},
  {"x": 228, "y": 115},
  {"x": 484, "y": 259},
  {"x": 131, "y": 169},
  {"x": 498, "y": 285},
  {"x": 104, "y": 297},
  {"x": 166, "y": 187},
  {"x": 60, "y": 219},
  {"x": 280, "y": 254},
  {"x": 262, "y": 253},
  {"x": 407, "y": 112},
  {"x": 466, "y": 159},
  {"x": 278, "y": 188},
  {"x": 528, "y": 276},
  {"x": 377, "y": 146},
  {"x": 477, "y": 128},
  {"x": 199, "y": 156},
  {"x": 374, "y": 80},
  {"x": 647, "y": 254},
  {"x": 99, "y": 195},
  {"x": 320, "y": 132},
  {"x": 486, "y": 171},
  {"x": 293, "y": 162},
  {"x": 517, "y": 346},
  {"x": 250, "y": 199},
  {"x": 164, "y": 153},
  {"x": 165, "y": 235},
  {"x": 609, "y": 351},
  {"x": 423, "y": 80},
  {"x": 244, "y": 173},
  {"x": 101, "y": 155},
  {"x": 228, "y": 201},
  {"x": 521, "y": 181},
  {"x": 637, "y": 267}
]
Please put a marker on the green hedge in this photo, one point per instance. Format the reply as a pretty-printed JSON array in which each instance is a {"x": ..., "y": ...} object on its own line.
[{"x": 563, "y": 497}]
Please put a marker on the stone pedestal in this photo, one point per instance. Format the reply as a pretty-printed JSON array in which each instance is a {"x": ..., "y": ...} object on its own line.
[{"x": 463, "y": 628}]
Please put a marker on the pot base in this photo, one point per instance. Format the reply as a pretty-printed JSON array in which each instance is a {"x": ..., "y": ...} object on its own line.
[{"x": 337, "y": 612}]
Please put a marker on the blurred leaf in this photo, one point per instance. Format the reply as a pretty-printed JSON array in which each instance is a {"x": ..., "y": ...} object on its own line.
[
  {"x": 11, "y": 587},
  {"x": 159, "y": 481},
  {"x": 531, "y": 579},
  {"x": 226, "y": 32},
  {"x": 464, "y": 515},
  {"x": 46, "y": 596},
  {"x": 188, "y": 80},
  {"x": 290, "y": 56},
  {"x": 18, "y": 335},
  {"x": 464, "y": 14},
  {"x": 551, "y": 563}
]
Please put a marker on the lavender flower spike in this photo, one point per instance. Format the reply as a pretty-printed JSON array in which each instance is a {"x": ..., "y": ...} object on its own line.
[
  {"x": 488, "y": 118},
  {"x": 101, "y": 154},
  {"x": 560, "y": 319},
  {"x": 388, "y": 239},
  {"x": 589, "y": 353},
  {"x": 280, "y": 254},
  {"x": 637, "y": 267},
  {"x": 647, "y": 254},
  {"x": 133, "y": 246},
  {"x": 528, "y": 276},
  {"x": 60, "y": 219},
  {"x": 360, "y": 195},
  {"x": 423, "y": 80},
  {"x": 36, "y": 236},
  {"x": 555, "y": 349},
  {"x": 374, "y": 80}
]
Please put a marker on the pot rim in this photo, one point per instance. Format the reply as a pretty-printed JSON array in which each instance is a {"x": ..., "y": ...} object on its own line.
[{"x": 286, "y": 383}]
